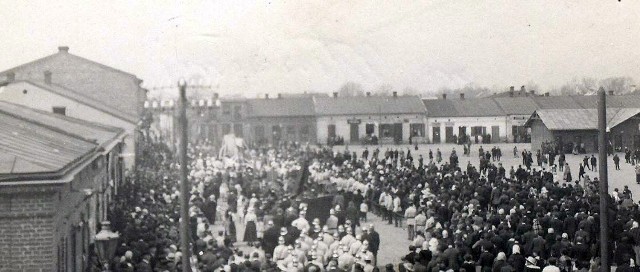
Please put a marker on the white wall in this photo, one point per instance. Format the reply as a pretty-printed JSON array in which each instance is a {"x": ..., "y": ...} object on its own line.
[
  {"x": 343, "y": 128},
  {"x": 42, "y": 99},
  {"x": 456, "y": 122}
]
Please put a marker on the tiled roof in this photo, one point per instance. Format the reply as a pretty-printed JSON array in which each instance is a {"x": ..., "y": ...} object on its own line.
[
  {"x": 581, "y": 119},
  {"x": 280, "y": 107},
  {"x": 556, "y": 102},
  {"x": 35, "y": 142},
  {"x": 462, "y": 107},
  {"x": 373, "y": 105},
  {"x": 517, "y": 105},
  {"x": 86, "y": 130}
]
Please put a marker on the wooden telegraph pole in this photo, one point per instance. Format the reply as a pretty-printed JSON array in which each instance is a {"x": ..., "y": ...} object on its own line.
[
  {"x": 184, "y": 192},
  {"x": 604, "y": 186}
]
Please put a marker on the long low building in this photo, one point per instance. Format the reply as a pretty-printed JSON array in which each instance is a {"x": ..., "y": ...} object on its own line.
[
  {"x": 577, "y": 129},
  {"x": 57, "y": 177},
  {"x": 391, "y": 119}
]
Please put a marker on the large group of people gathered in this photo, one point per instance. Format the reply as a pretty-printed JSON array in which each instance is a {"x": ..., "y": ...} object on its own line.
[{"x": 251, "y": 214}]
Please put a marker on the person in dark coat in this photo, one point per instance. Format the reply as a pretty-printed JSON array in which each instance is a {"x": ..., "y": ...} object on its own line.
[
  {"x": 270, "y": 237},
  {"x": 209, "y": 209},
  {"x": 145, "y": 264},
  {"x": 374, "y": 242}
]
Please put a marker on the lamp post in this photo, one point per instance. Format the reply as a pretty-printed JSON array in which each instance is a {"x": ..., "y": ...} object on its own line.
[{"x": 106, "y": 243}]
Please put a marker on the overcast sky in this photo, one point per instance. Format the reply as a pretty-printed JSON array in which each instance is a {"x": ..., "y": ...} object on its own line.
[{"x": 253, "y": 47}]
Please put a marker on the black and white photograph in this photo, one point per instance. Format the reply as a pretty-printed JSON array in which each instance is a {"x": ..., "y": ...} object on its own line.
[{"x": 320, "y": 136}]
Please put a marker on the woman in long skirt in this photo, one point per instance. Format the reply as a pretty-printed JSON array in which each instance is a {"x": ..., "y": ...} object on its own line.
[
  {"x": 250, "y": 231},
  {"x": 230, "y": 227}
]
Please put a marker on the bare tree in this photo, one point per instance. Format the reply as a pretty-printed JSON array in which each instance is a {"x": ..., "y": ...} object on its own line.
[
  {"x": 619, "y": 85},
  {"x": 382, "y": 90}
]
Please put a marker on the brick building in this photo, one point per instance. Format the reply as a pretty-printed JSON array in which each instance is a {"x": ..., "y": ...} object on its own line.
[
  {"x": 80, "y": 88},
  {"x": 57, "y": 177}
]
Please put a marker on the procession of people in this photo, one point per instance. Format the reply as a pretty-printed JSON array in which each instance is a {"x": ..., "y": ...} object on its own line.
[{"x": 251, "y": 214}]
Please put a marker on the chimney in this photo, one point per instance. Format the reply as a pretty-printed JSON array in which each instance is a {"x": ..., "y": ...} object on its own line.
[
  {"x": 444, "y": 96},
  {"x": 335, "y": 95},
  {"x": 532, "y": 92},
  {"x": 63, "y": 49},
  {"x": 47, "y": 77},
  {"x": 511, "y": 91},
  {"x": 395, "y": 94},
  {"x": 462, "y": 96},
  {"x": 11, "y": 76},
  {"x": 368, "y": 93},
  {"x": 610, "y": 92},
  {"x": 546, "y": 94},
  {"x": 512, "y": 88},
  {"x": 522, "y": 89},
  {"x": 266, "y": 96},
  {"x": 279, "y": 95}
]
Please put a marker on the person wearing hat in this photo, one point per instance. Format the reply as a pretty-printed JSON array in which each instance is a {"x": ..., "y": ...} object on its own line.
[{"x": 531, "y": 265}]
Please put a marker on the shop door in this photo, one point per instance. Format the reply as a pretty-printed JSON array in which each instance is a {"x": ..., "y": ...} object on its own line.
[
  {"x": 436, "y": 135},
  {"x": 355, "y": 134},
  {"x": 397, "y": 132},
  {"x": 495, "y": 134},
  {"x": 448, "y": 134}
]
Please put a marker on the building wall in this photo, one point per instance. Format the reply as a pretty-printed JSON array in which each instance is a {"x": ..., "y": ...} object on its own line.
[
  {"x": 50, "y": 227},
  {"x": 514, "y": 120},
  {"x": 286, "y": 125},
  {"x": 41, "y": 99},
  {"x": 628, "y": 133},
  {"x": 539, "y": 134},
  {"x": 77, "y": 74},
  {"x": 468, "y": 122},
  {"x": 343, "y": 125}
]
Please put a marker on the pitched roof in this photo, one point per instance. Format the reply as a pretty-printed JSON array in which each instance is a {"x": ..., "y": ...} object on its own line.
[
  {"x": 81, "y": 98},
  {"x": 462, "y": 107},
  {"x": 281, "y": 107},
  {"x": 37, "y": 142},
  {"x": 556, "y": 102},
  {"x": 517, "y": 105},
  {"x": 89, "y": 78},
  {"x": 581, "y": 119},
  {"x": 373, "y": 105}
]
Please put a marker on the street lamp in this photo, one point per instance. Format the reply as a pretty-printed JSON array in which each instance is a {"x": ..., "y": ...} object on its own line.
[{"x": 106, "y": 243}]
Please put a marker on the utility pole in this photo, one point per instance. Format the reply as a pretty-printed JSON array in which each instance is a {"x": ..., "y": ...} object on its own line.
[
  {"x": 184, "y": 192},
  {"x": 604, "y": 186}
]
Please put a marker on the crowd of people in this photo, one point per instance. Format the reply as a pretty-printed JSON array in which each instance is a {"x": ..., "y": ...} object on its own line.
[{"x": 251, "y": 215}]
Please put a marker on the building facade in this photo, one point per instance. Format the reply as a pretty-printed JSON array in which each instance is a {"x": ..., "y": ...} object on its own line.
[
  {"x": 575, "y": 130},
  {"x": 55, "y": 187},
  {"x": 356, "y": 120},
  {"x": 75, "y": 84},
  {"x": 273, "y": 120}
]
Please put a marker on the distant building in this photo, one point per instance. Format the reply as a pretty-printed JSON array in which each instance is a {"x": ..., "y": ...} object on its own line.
[
  {"x": 571, "y": 129},
  {"x": 57, "y": 177},
  {"x": 479, "y": 119},
  {"x": 74, "y": 86},
  {"x": 272, "y": 120},
  {"x": 392, "y": 119}
]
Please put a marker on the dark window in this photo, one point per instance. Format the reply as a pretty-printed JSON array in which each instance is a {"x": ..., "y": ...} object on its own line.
[
  {"x": 60, "y": 110},
  {"x": 237, "y": 130},
  {"x": 304, "y": 133},
  {"x": 331, "y": 131},
  {"x": 226, "y": 109},
  {"x": 369, "y": 128},
  {"x": 417, "y": 130},
  {"x": 237, "y": 112}
]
